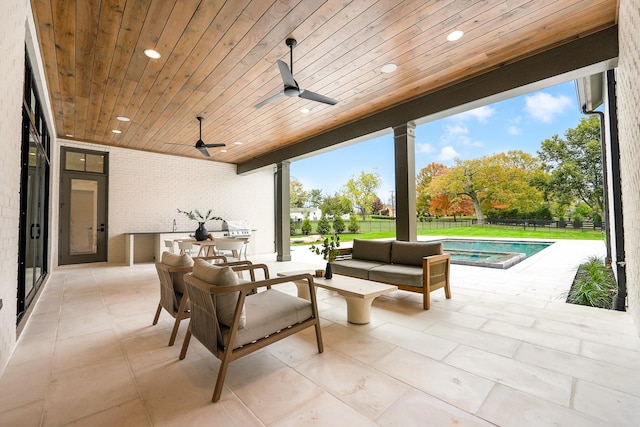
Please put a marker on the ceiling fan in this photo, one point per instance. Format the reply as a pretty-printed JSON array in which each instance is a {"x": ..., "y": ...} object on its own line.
[
  {"x": 200, "y": 145},
  {"x": 291, "y": 87}
]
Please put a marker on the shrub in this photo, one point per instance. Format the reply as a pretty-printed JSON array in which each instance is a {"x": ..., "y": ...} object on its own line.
[
  {"x": 594, "y": 285},
  {"x": 323, "y": 226},
  {"x": 305, "y": 228},
  {"x": 354, "y": 224},
  {"x": 292, "y": 226},
  {"x": 338, "y": 225}
]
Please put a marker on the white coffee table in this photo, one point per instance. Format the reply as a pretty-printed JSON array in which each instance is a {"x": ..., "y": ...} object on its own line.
[{"x": 359, "y": 293}]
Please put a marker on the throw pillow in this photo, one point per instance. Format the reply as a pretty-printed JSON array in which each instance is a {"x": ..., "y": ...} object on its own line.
[{"x": 221, "y": 276}]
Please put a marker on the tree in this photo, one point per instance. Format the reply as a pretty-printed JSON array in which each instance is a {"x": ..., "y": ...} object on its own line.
[
  {"x": 315, "y": 197},
  {"x": 336, "y": 205},
  {"x": 377, "y": 206},
  {"x": 423, "y": 179},
  {"x": 297, "y": 196},
  {"x": 575, "y": 165},
  {"x": 499, "y": 180},
  {"x": 361, "y": 191}
]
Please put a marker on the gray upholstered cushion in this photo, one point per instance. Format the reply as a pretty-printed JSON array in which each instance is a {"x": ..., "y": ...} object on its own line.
[
  {"x": 176, "y": 260},
  {"x": 397, "y": 274},
  {"x": 371, "y": 250},
  {"x": 221, "y": 276},
  {"x": 353, "y": 267},
  {"x": 411, "y": 253},
  {"x": 268, "y": 312}
]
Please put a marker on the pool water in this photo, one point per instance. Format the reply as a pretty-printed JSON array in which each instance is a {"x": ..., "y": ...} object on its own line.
[{"x": 491, "y": 253}]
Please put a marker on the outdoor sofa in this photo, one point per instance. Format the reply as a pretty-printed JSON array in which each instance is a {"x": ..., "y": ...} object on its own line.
[{"x": 419, "y": 267}]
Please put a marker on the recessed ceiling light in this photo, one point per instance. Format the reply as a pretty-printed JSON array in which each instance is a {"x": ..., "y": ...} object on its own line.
[
  {"x": 153, "y": 54},
  {"x": 69, "y": 135},
  {"x": 223, "y": 151},
  {"x": 455, "y": 35},
  {"x": 305, "y": 111},
  {"x": 123, "y": 118},
  {"x": 389, "y": 68},
  {"x": 116, "y": 131},
  {"x": 238, "y": 142}
]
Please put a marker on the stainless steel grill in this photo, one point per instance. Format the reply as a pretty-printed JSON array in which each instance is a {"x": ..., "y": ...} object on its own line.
[{"x": 236, "y": 228}]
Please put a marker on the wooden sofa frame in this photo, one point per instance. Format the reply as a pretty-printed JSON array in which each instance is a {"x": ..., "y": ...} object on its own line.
[{"x": 435, "y": 275}]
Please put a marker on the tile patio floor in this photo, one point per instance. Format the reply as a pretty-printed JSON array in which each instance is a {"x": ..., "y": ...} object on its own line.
[{"x": 505, "y": 350}]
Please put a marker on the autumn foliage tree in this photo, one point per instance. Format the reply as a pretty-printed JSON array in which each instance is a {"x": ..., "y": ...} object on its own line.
[
  {"x": 423, "y": 179},
  {"x": 504, "y": 179}
]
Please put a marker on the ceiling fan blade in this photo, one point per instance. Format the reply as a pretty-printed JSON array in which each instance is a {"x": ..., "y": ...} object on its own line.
[
  {"x": 270, "y": 99},
  {"x": 204, "y": 151},
  {"x": 307, "y": 94},
  {"x": 215, "y": 145},
  {"x": 286, "y": 75}
]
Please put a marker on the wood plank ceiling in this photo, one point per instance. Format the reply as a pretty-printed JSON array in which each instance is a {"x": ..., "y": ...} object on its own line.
[{"x": 219, "y": 60}]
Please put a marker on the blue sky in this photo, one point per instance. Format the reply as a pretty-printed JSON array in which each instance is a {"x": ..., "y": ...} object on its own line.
[{"x": 520, "y": 123}]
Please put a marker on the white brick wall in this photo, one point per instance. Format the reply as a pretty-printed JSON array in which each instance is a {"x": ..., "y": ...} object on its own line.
[
  {"x": 146, "y": 189},
  {"x": 12, "y": 31},
  {"x": 628, "y": 91}
]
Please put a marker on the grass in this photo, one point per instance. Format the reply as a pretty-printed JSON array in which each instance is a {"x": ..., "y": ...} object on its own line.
[
  {"x": 479, "y": 232},
  {"x": 594, "y": 285}
]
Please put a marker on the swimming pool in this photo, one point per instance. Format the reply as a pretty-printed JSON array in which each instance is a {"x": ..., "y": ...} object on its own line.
[{"x": 491, "y": 253}]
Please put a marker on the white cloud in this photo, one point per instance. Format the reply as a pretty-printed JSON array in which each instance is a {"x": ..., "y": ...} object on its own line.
[
  {"x": 457, "y": 135},
  {"x": 544, "y": 106},
  {"x": 447, "y": 153},
  {"x": 452, "y": 133},
  {"x": 424, "y": 148},
  {"x": 481, "y": 114},
  {"x": 514, "y": 130}
]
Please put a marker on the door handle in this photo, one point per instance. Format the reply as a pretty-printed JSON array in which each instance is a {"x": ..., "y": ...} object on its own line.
[{"x": 35, "y": 231}]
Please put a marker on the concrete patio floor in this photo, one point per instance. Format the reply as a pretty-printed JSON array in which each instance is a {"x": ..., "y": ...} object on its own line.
[{"x": 505, "y": 350}]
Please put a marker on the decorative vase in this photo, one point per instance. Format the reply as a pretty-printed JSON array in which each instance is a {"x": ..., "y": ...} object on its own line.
[
  {"x": 201, "y": 232},
  {"x": 328, "y": 274}
]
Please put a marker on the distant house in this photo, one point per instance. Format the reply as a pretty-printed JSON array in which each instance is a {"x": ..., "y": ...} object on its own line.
[{"x": 300, "y": 213}]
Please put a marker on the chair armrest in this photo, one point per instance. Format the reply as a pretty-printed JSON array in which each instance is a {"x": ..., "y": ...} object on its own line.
[
  {"x": 212, "y": 258},
  {"x": 170, "y": 269},
  {"x": 344, "y": 253},
  {"x": 241, "y": 266},
  {"x": 435, "y": 259}
]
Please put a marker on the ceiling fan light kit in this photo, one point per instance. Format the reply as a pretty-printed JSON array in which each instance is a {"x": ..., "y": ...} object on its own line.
[{"x": 291, "y": 87}]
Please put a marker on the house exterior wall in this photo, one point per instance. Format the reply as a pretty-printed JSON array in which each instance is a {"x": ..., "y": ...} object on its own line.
[
  {"x": 628, "y": 91},
  {"x": 12, "y": 35}
]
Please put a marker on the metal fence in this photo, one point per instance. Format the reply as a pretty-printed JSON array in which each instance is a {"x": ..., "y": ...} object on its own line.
[{"x": 525, "y": 224}]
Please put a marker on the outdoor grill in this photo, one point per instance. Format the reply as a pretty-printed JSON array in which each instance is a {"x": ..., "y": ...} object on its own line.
[{"x": 236, "y": 228}]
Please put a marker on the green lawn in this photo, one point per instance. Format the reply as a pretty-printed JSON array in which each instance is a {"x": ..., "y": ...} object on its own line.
[{"x": 481, "y": 232}]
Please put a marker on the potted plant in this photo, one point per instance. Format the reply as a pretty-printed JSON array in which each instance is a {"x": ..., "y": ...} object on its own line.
[
  {"x": 201, "y": 232},
  {"x": 329, "y": 250}
]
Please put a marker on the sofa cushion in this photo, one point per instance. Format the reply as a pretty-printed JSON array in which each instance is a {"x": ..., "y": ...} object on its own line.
[
  {"x": 268, "y": 312},
  {"x": 411, "y": 253},
  {"x": 398, "y": 274},
  {"x": 371, "y": 250},
  {"x": 353, "y": 267},
  {"x": 221, "y": 276}
]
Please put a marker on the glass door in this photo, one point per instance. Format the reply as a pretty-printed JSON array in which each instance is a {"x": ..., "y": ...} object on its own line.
[
  {"x": 83, "y": 210},
  {"x": 33, "y": 222}
]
